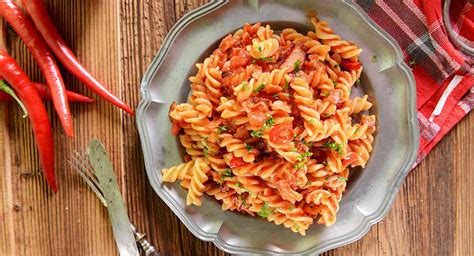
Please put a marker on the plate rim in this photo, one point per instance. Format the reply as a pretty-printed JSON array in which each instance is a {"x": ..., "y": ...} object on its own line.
[{"x": 367, "y": 221}]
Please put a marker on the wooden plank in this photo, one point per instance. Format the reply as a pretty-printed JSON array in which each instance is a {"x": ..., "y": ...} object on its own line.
[{"x": 463, "y": 168}]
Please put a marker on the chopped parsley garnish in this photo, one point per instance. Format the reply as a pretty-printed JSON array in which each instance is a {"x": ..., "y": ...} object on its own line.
[
  {"x": 260, "y": 49},
  {"x": 334, "y": 83},
  {"x": 357, "y": 83},
  {"x": 222, "y": 128},
  {"x": 275, "y": 96},
  {"x": 286, "y": 94},
  {"x": 303, "y": 156},
  {"x": 267, "y": 59},
  {"x": 325, "y": 93},
  {"x": 227, "y": 173},
  {"x": 265, "y": 211},
  {"x": 297, "y": 66},
  {"x": 299, "y": 165},
  {"x": 259, "y": 88},
  {"x": 257, "y": 133},
  {"x": 374, "y": 58},
  {"x": 312, "y": 121},
  {"x": 336, "y": 66},
  {"x": 243, "y": 201},
  {"x": 412, "y": 62},
  {"x": 286, "y": 84},
  {"x": 239, "y": 185},
  {"x": 245, "y": 85},
  {"x": 291, "y": 208},
  {"x": 248, "y": 147},
  {"x": 205, "y": 151},
  {"x": 270, "y": 122},
  {"x": 342, "y": 179},
  {"x": 334, "y": 146},
  {"x": 304, "y": 142},
  {"x": 357, "y": 129},
  {"x": 294, "y": 150},
  {"x": 297, "y": 228}
]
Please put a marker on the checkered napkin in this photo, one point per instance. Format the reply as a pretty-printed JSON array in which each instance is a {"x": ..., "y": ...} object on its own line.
[{"x": 444, "y": 75}]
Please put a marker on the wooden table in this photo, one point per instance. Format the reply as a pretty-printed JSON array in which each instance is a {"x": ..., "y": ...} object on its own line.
[{"x": 116, "y": 40}]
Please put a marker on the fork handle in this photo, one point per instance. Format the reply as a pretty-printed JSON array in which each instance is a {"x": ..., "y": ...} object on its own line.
[
  {"x": 147, "y": 247},
  {"x": 143, "y": 243}
]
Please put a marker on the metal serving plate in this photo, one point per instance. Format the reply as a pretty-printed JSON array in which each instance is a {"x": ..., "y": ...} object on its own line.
[{"x": 371, "y": 191}]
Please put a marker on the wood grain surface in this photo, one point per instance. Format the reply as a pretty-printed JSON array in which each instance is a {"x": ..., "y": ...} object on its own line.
[{"x": 117, "y": 40}]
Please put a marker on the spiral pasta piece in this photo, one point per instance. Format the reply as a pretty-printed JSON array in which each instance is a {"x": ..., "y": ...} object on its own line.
[
  {"x": 357, "y": 105},
  {"x": 199, "y": 176},
  {"x": 264, "y": 33},
  {"x": 230, "y": 108},
  {"x": 316, "y": 50},
  {"x": 200, "y": 100},
  {"x": 179, "y": 172},
  {"x": 306, "y": 105},
  {"x": 263, "y": 49},
  {"x": 213, "y": 84},
  {"x": 345, "y": 49},
  {"x": 237, "y": 148},
  {"x": 293, "y": 35}
]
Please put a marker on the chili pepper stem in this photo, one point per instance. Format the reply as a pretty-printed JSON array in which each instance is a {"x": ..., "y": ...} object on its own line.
[{"x": 4, "y": 87}]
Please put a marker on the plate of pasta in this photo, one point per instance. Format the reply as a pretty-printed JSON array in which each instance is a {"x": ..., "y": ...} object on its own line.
[{"x": 271, "y": 135}]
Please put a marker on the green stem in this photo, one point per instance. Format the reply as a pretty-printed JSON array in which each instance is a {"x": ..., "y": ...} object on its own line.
[{"x": 4, "y": 87}]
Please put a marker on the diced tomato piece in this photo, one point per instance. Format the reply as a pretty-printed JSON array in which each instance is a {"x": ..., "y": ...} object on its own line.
[
  {"x": 257, "y": 118},
  {"x": 351, "y": 158},
  {"x": 236, "y": 162},
  {"x": 282, "y": 133},
  {"x": 252, "y": 29},
  {"x": 241, "y": 133},
  {"x": 222, "y": 57},
  {"x": 242, "y": 59},
  {"x": 227, "y": 43},
  {"x": 284, "y": 97},
  {"x": 176, "y": 127},
  {"x": 350, "y": 65}
]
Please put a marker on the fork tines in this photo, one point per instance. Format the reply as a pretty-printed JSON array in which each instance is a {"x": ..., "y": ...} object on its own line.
[{"x": 81, "y": 164}]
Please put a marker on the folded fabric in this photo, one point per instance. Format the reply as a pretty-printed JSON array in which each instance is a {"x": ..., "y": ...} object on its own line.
[{"x": 443, "y": 74}]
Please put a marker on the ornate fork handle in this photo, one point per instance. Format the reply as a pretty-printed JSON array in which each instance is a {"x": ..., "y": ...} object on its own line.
[{"x": 143, "y": 243}]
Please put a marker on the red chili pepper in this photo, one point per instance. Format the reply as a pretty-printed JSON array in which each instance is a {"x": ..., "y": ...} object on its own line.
[
  {"x": 45, "y": 94},
  {"x": 43, "y": 56},
  {"x": 46, "y": 27},
  {"x": 40, "y": 122}
]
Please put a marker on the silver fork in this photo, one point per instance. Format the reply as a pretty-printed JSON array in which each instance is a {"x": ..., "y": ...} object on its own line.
[{"x": 80, "y": 163}]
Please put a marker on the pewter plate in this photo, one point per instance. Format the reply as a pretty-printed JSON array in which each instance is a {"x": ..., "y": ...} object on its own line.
[{"x": 370, "y": 192}]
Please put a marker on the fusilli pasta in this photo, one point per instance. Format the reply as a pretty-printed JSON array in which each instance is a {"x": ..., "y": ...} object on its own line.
[{"x": 270, "y": 128}]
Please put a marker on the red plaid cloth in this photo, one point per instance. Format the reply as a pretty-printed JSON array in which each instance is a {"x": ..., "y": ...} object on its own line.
[{"x": 437, "y": 64}]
